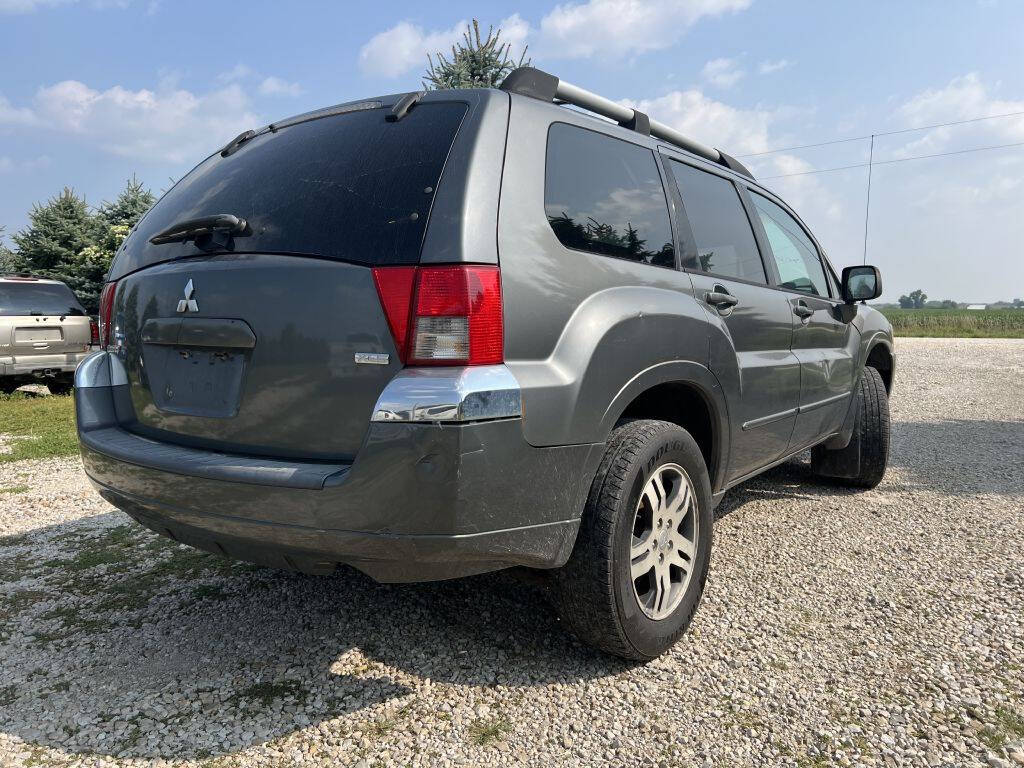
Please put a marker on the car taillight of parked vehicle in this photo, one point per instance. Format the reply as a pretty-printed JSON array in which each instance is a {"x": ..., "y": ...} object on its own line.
[
  {"x": 445, "y": 315},
  {"x": 106, "y": 311},
  {"x": 94, "y": 332}
]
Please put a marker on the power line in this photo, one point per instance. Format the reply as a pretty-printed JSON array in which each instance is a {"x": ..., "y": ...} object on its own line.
[
  {"x": 882, "y": 133},
  {"x": 897, "y": 160}
]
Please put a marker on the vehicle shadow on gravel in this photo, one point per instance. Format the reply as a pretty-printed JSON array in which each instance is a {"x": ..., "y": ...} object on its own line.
[
  {"x": 118, "y": 642},
  {"x": 960, "y": 457}
]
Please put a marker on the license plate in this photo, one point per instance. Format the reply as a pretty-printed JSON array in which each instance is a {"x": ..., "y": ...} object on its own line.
[
  {"x": 30, "y": 335},
  {"x": 196, "y": 381}
]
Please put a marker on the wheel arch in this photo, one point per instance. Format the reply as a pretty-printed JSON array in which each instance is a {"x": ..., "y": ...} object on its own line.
[
  {"x": 683, "y": 393},
  {"x": 880, "y": 358}
]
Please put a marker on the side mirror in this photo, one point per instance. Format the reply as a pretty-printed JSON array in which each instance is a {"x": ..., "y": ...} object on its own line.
[{"x": 861, "y": 284}]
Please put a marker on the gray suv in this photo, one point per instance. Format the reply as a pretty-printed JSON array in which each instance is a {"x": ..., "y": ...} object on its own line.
[{"x": 437, "y": 334}]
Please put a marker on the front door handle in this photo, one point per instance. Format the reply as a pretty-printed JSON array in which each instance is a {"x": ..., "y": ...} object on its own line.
[
  {"x": 802, "y": 311},
  {"x": 721, "y": 299}
]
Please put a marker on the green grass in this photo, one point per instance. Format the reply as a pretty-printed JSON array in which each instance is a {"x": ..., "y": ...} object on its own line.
[
  {"x": 483, "y": 732},
  {"x": 958, "y": 323},
  {"x": 37, "y": 427}
]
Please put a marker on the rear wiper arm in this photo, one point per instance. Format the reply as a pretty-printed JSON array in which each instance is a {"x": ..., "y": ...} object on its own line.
[{"x": 225, "y": 224}]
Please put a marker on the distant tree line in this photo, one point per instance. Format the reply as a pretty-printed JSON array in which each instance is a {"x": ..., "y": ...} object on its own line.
[
  {"x": 919, "y": 300},
  {"x": 68, "y": 240}
]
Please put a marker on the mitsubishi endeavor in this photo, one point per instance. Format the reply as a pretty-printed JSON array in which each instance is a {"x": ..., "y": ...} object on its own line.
[{"x": 442, "y": 333}]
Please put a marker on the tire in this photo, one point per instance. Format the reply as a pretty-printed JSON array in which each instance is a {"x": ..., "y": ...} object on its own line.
[
  {"x": 60, "y": 386},
  {"x": 594, "y": 592},
  {"x": 862, "y": 463},
  {"x": 9, "y": 387}
]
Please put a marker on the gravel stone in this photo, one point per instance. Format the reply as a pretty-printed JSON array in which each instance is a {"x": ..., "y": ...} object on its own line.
[{"x": 878, "y": 628}]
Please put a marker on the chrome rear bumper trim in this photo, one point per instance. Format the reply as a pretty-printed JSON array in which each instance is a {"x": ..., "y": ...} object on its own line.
[{"x": 470, "y": 393}]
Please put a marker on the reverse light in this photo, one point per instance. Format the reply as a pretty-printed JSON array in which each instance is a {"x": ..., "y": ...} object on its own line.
[
  {"x": 445, "y": 315},
  {"x": 106, "y": 311}
]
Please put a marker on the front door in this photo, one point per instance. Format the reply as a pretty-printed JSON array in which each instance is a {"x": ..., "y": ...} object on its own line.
[{"x": 824, "y": 344}]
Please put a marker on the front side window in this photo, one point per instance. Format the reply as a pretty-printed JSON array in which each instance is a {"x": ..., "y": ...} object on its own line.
[
  {"x": 795, "y": 255},
  {"x": 605, "y": 196},
  {"x": 718, "y": 220}
]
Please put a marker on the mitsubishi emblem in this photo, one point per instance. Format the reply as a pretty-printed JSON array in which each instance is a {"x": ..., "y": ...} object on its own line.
[{"x": 188, "y": 304}]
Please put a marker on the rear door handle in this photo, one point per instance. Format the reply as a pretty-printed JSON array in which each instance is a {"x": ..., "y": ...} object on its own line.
[
  {"x": 721, "y": 299},
  {"x": 802, "y": 311}
]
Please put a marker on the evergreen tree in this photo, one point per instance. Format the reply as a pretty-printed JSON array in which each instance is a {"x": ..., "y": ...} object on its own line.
[
  {"x": 7, "y": 257},
  {"x": 475, "y": 63},
  {"x": 65, "y": 241}
]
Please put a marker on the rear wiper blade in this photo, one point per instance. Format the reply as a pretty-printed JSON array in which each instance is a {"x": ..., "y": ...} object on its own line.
[{"x": 225, "y": 224}]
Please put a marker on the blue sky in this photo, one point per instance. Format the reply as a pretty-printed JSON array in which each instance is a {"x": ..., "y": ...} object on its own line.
[{"x": 94, "y": 91}]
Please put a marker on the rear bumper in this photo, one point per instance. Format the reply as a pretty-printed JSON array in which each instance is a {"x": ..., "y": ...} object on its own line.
[
  {"x": 29, "y": 366},
  {"x": 421, "y": 501}
]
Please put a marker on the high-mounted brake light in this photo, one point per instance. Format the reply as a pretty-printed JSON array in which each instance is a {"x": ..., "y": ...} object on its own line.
[
  {"x": 106, "y": 310},
  {"x": 448, "y": 315}
]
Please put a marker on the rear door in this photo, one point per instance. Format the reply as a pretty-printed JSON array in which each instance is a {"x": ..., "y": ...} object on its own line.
[
  {"x": 273, "y": 341},
  {"x": 822, "y": 341},
  {"x": 750, "y": 352},
  {"x": 41, "y": 318}
]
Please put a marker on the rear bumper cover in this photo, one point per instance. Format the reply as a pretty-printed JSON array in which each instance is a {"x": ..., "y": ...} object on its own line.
[
  {"x": 27, "y": 366},
  {"x": 421, "y": 501}
]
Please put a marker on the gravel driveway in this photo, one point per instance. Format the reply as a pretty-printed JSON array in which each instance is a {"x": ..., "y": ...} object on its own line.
[{"x": 878, "y": 628}]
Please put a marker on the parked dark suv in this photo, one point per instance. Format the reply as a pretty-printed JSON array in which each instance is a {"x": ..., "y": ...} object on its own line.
[{"x": 437, "y": 334}]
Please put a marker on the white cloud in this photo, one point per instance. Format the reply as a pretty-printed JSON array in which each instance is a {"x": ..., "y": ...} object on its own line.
[
  {"x": 30, "y": 164},
  {"x": 10, "y": 115},
  {"x": 238, "y": 72},
  {"x": 276, "y": 86},
  {"x": 724, "y": 73},
  {"x": 713, "y": 122},
  {"x": 405, "y": 46},
  {"x": 769, "y": 66},
  {"x": 623, "y": 27},
  {"x": 30, "y": 6},
  {"x": 165, "y": 125},
  {"x": 963, "y": 98}
]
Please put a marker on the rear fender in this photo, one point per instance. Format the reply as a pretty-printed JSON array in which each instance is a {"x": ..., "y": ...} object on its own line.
[{"x": 617, "y": 343}]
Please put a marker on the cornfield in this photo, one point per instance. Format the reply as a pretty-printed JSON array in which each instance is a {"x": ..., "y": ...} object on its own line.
[{"x": 961, "y": 323}]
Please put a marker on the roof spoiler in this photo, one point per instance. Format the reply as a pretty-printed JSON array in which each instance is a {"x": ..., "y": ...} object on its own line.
[{"x": 537, "y": 84}]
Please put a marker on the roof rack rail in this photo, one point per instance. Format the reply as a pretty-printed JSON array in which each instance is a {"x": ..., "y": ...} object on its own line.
[
  {"x": 528, "y": 81},
  {"x": 24, "y": 276}
]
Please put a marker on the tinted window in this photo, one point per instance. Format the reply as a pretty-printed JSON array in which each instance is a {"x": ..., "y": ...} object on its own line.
[
  {"x": 38, "y": 299},
  {"x": 605, "y": 195},
  {"x": 795, "y": 255},
  {"x": 725, "y": 241},
  {"x": 351, "y": 186}
]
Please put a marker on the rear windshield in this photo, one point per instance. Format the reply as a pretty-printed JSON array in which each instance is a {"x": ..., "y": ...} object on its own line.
[
  {"x": 38, "y": 299},
  {"x": 351, "y": 186}
]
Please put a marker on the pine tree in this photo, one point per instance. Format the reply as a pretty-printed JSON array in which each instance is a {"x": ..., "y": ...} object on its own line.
[
  {"x": 476, "y": 63},
  {"x": 65, "y": 241}
]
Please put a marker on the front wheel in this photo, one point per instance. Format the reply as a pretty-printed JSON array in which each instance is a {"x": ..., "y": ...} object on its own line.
[
  {"x": 862, "y": 463},
  {"x": 636, "y": 575}
]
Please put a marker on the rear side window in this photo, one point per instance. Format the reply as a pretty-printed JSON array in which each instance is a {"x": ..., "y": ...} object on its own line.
[
  {"x": 718, "y": 220},
  {"x": 351, "y": 186},
  {"x": 795, "y": 256},
  {"x": 605, "y": 195},
  {"x": 30, "y": 298}
]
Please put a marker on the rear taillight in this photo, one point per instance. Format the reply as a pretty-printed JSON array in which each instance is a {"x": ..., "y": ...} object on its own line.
[
  {"x": 450, "y": 315},
  {"x": 106, "y": 310},
  {"x": 94, "y": 332}
]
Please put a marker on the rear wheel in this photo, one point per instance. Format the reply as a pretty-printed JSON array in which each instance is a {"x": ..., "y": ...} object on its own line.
[
  {"x": 863, "y": 461},
  {"x": 637, "y": 572}
]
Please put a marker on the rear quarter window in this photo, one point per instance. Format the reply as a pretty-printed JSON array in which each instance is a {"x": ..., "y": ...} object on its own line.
[
  {"x": 605, "y": 195},
  {"x": 351, "y": 186}
]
